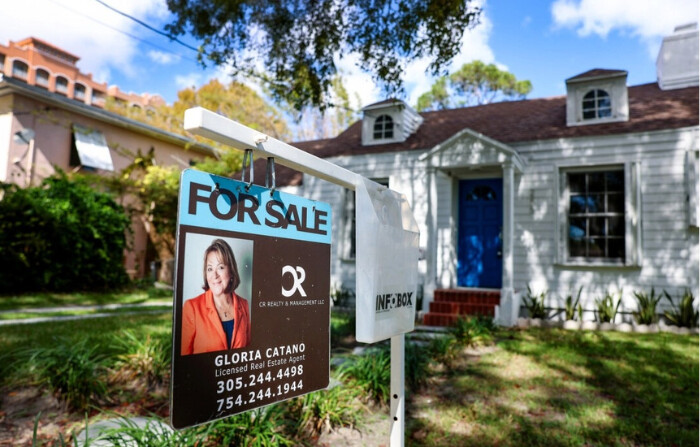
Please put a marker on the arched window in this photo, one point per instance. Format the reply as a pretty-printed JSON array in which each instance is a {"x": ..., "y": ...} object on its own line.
[
  {"x": 61, "y": 85},
  {"x": 20, "y": 70},
  {"x": 596, "y": 104},
  {"x": 79, "y": 92},
  {"x": 42, "y": 78},
  {"x": 383, "y": 128}
]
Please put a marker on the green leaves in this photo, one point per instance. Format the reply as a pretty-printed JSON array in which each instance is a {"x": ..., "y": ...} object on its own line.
[
  {"x": 293, "y": 46},
  {"x": 62, "y": 235},
  {"x": 474, "y": 83},
  {"x": 646, "y": 307}
]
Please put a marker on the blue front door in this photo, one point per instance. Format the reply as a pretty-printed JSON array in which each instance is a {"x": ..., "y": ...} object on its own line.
[{"x": 479, "y": 233}]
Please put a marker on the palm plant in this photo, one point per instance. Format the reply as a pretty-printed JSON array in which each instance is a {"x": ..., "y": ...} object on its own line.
[
  {"x": 607, "y": 308},
  {"x": 685, "y": 314},
  {"x": 535, "y": 304},
  {"x": 646, "y": 307},
  {"x": 572, "y": 306}
]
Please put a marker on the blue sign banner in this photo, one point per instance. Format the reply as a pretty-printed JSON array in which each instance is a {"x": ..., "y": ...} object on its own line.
[{"x": 211, "y": 201}]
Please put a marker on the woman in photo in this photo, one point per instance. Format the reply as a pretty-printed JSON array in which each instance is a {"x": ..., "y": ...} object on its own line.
[{"x": 218, "y": 319}]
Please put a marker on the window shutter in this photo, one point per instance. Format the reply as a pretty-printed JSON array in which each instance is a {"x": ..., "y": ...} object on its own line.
[{"x": 633, "y": 214}]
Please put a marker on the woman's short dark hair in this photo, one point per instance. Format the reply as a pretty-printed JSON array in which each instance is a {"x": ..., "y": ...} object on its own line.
[{"x": 220, "y": 246}]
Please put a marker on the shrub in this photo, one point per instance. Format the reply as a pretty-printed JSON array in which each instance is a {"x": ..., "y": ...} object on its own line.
[
  {"x": 573, "y": 306},
  {"x": 62, "y": 235},
  {"x": 646, "y": 307},
  {"x": 415, "y": 365},
  {"x": 469, "y": 331},
  {"x": 685, "y": 314},
  {"x": 607, "y": 308},
  {"x": 371, "y": 373},
  {"x": 72, "y": 370},
  {"x": 148, "y": 358},
  {"x": 535, "y": 304},
  {"x": 444, "y": 349},
  {"x": 325, "y": 410},
  {"x": 261, "y": 427}
]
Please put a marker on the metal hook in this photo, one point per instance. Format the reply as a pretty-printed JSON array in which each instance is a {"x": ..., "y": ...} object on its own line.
[
  {"x": 270, "y": 175},
  {"x": 248, "y": 164}
]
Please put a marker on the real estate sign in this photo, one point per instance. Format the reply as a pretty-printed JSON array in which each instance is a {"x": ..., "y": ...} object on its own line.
[{"x": 251, "y": 319}]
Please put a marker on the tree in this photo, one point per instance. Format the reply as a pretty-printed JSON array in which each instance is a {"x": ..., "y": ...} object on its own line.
[
  {"x": 474, "y": 83},
  {"x": 298, "y": 42},
  {"x": 313, "y": 123},
  {"x": 149, "y": 192}
]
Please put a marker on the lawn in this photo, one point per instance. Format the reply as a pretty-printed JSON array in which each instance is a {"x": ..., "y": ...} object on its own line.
[
  {"x": 550, "y": 387},
  {"x": 535, "y": 387}
]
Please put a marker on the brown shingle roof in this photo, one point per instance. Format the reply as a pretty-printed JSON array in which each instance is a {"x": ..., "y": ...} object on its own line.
[{"x": 650, "y": 109}]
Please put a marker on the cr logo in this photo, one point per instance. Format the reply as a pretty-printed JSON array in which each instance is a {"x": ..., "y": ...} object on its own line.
[{"x": 299, "y": 275}]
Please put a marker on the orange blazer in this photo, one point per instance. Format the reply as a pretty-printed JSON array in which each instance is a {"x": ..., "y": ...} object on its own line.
[{"x": 201, "y": 326}]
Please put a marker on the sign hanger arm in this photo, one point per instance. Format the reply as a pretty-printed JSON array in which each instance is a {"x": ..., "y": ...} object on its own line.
[{"x": 206, "y": 123}]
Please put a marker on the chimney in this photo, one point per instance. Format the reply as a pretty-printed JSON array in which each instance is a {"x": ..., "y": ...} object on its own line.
[{"x": 677, "y": 64}]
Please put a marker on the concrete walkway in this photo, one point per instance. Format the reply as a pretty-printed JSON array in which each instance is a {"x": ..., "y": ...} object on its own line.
[{"x": 139, "y": 308}]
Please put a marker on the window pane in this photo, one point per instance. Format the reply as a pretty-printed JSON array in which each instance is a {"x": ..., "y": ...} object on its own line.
[
  {"x": 616, "y": 248},
  {"x": 615, "y": 180},
  {"x": 596, "y": 182},
  {"x": 577, "y": 204},
  {"x": 589, "y": 114},
  {"x": 604, "y": 113},
  {"x": 577, "y": 248},
  {"x": 577, "y": 228},
  {"x": 595, "y": 203},
  {"x": 596, "y": 247},
  {"x": 577, "y": 182},
  {"x": 616, "y": 203},
  {"x": 616, "y": 226},
  {"x": 596, "y": 226},
  {"x": 589, "y": 104},
  {"x": 604, "y": 102}
]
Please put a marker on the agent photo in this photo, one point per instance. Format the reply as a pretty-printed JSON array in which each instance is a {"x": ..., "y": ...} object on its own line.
[{"x": 217, "y": 319}]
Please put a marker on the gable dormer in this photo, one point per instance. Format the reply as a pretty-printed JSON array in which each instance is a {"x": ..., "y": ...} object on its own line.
[
  {"x": 390, "y": 121},
  {"x": 597, "y": 96}
]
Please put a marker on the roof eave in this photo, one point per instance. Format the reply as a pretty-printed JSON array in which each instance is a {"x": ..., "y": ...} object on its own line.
[{"x": 9, "y": 85}]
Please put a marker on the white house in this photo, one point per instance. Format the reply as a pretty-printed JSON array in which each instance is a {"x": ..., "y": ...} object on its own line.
[{"x": 598, "y": 188}]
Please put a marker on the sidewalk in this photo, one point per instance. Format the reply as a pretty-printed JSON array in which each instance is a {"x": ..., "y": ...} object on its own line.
[{"x": 135, "y": 306}]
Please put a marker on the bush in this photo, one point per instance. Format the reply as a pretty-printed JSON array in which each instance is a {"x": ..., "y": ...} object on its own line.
[
  {"x": 646, "y": 307},
  {"x": 607, "y": 308},
  {"x": 416, "y": 365},
  {"x": 72, "y": 370},
  {"x": 535, "y": 304},
  {"x": 469, "y": 331},
  {"x": 371, "y": 373},
  {"x": 148, "y": 358},
  {"x": 572, "y": 305},
  {"x": 325, "y": 410},
  {"x": 685, "y": 314},
  {"x": 60, "y": 236}
]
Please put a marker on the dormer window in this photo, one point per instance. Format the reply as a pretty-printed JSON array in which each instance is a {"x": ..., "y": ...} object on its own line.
[
  {"x": 596, "y": 104},
  {"x": 384, "y": 128},
  {"x": 389, "y": 121},
  {"x": 597, "y": 96}
]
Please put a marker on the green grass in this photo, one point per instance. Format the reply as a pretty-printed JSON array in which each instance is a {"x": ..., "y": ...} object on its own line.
[
  {"x": 561, "y": 388},
  {"x": 35, "y": 300},
  {"x": 64, "y": 313}
]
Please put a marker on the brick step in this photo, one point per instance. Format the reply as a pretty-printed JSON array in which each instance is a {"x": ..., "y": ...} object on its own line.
[
  {"x": 458, "y": 308},
  {"x": 468, "y": 296}
]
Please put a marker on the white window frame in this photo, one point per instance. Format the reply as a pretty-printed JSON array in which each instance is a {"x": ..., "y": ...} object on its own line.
[
  {"x": 596, "y": 108},
  {"x": 387, "y": 120},
  {"x": 632, "y": 216}
]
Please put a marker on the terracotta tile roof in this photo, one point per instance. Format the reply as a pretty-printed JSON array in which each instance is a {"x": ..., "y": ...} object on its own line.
[{"x": 650, "y": 109}]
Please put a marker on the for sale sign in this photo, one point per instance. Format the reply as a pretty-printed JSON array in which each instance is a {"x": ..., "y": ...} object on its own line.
[{"x": 251, "y": 320}]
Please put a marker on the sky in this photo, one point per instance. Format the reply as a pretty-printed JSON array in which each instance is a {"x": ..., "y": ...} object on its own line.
[{"x": 543, "y": 41}]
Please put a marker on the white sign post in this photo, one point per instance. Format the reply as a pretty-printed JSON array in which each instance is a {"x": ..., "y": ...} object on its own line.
[{"x": 387, "y": 244}]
